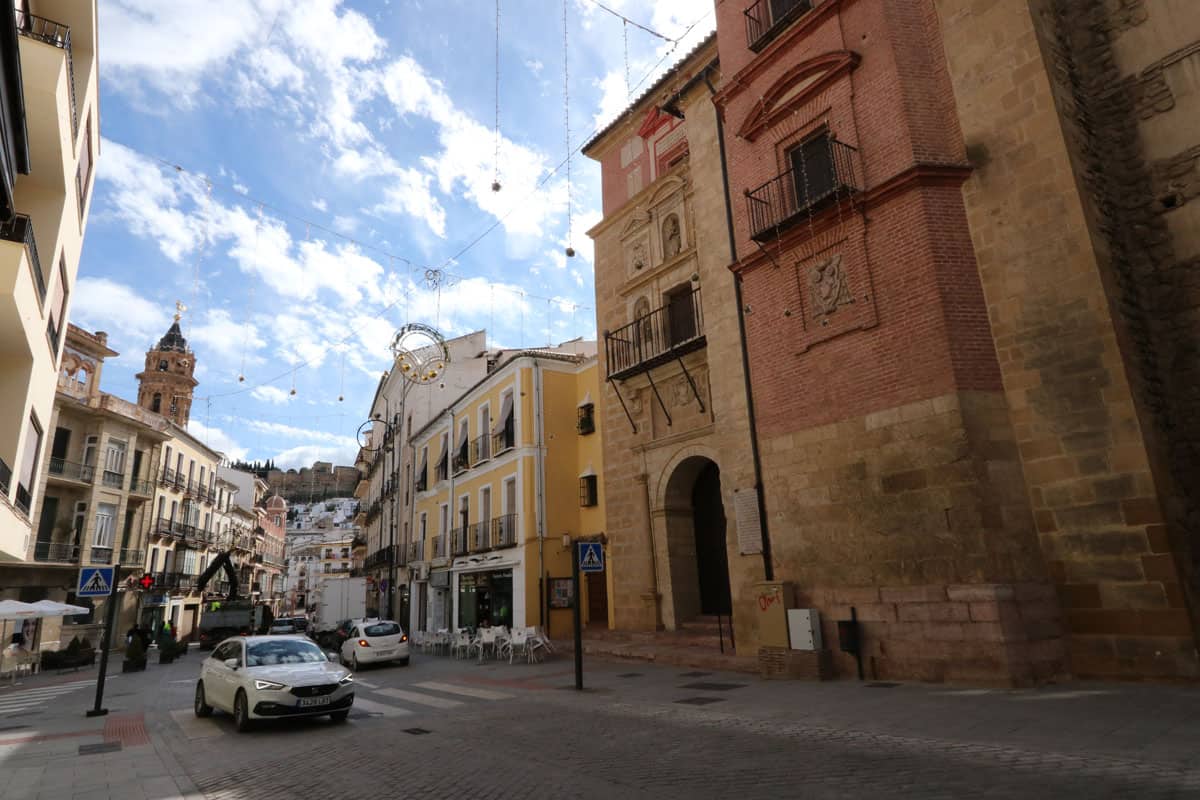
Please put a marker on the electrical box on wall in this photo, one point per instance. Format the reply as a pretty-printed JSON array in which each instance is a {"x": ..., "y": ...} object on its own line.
[{"x": 804, "y": 628}]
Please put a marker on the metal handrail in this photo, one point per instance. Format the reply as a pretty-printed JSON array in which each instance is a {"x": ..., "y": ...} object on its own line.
[
  {"x": 668, "y": 329},
  {"x": 19, "y": 229},
  {"x": 140, "y": 486},
  {"x": 132, "y": 556},
  {"x": 505, "y": 438},
  {"x": 71, "y": 470},
  {"x": 766, "y": 17},
  {"x": 58, "y": 35},
  {"x": 114, "y": 479},
  {"x": 481, "y": 448},
  {"x": 481, "y": 539},
  {"x": 101, "y": 555},
  {"x": 415, "y": 551},
  {"x": 458, "y": 539},
  {"x": 439, "y": 546},
  {"x": 783, "y": 200},
  {"x": 461, "y": 462}
]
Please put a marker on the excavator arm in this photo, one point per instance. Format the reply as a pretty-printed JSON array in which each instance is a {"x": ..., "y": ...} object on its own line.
[{"x": 221, "y": 561}]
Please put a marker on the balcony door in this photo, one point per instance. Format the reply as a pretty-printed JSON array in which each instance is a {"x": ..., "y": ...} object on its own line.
[
  {"x": 812, "y": 170},
  {"x": 59, "y": 449},
  {"x": 682, "y": 316}
]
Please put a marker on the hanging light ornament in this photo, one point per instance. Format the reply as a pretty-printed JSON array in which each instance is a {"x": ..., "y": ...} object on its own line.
[{"x": 496, "y": 178}]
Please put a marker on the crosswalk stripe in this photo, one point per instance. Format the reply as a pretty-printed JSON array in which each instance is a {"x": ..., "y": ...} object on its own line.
[
  {"x": 368, "y": 685},
  {"x": 466, "y": 691},
  {"x": 363, "y": 704},
  {"x": 49, "y": 691},
  {"x": 420, "y": 699}
]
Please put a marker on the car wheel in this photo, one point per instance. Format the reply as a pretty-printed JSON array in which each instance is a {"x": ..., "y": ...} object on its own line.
[
  {"x": 354, "y": 661},
  {"x": 241, "y": 713},
  {"x": 402, "y": 662},
  {"x": 340, "y": 716},
  {"x": 201, "y": 707}
]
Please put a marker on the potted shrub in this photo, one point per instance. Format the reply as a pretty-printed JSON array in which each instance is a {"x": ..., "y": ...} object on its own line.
[{"x": 135, "y": 657}]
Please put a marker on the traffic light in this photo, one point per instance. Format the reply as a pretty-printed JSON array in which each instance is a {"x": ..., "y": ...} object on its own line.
[{"x": 146, "y": 581}]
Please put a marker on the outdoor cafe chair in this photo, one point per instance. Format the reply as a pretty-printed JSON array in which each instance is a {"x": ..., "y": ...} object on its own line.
[
  {"x": 462, "y": 644},
  {"x": 519, "y": 643},
  {"x": 486, "y": 640}
]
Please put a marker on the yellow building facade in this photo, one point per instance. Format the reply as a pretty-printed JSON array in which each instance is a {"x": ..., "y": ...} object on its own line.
[{"x": 502, "y": 476}]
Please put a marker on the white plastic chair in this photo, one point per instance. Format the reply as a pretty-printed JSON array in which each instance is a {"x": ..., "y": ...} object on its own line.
[
  {"x": 462, "y": 645},
  {"x": 519, "y": 643},
  {"x": 487, "y": 639}
]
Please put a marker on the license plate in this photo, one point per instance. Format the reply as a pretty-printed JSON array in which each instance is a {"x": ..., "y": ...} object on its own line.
[
  {"x": 386, "y": 652},
  {"x": 305, "y": 702}
]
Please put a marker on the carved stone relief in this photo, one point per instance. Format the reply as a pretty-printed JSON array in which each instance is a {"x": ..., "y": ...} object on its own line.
[
  {"x": 829, "y": 286},
  {"x": 638, "y": 256}
]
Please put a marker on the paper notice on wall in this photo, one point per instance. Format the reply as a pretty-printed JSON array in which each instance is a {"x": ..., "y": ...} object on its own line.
[{"x": 749, "y": 526}]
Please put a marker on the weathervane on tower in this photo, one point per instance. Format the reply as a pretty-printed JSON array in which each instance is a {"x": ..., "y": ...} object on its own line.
[{"x": 179, "y": 309}]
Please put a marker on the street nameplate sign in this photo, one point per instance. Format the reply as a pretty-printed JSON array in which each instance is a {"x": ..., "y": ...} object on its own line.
[
  {"x": 94, "y": 582},
  {"x": 591, "y": 557}
]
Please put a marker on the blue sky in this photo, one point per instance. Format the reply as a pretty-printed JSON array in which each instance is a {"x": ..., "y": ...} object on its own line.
[{"x": 331, "y": 152}]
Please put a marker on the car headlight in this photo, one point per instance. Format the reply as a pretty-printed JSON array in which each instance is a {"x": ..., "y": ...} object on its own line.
[
  {"x": 260, "y": 684},
  {"x": 346, "y": 681}
]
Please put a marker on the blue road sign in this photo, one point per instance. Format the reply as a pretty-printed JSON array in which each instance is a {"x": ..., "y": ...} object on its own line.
[
  {"x": 94, "y": 582},
  {"x": 591, "y": 557}
]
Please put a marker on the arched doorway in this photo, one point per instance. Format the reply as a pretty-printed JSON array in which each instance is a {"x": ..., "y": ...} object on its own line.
[{"x": 696, "y": 546}]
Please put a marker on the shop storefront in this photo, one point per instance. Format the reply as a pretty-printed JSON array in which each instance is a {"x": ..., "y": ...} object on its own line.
[{"x": 485, "y": 598}]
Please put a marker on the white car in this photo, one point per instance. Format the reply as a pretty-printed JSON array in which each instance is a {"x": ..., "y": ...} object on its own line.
[
  {"x": 374, "y": 640},
  {"x": 271, "y": 677}
]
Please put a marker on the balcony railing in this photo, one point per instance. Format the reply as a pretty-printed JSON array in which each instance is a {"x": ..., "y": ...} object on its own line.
[
  {"x": 461, "y": 461},
  {"x": 458, "y": 541},
  {"x": 504, "y": 439},
  {"x": 504, "y": 531},
  {"x": 168, "y": 477},
  {"x": 62, "y": 552},
  {"x": 168, "y": 527},
  {"x": 72, "y": 471},
  {"x": 439, "y": 546},
  {"x": 440, "y": 472},
  {"x": 661, "y": 335},
  {"x": 19, "y": 229},
  {"x": 140, "y": 487},
  {"x": 765, "y": 18},
  {"x": 820, "y": 175},
  {"x": 23, "y": 500},
  {"x": 481, "y": 538},
  {"x": 102, "y": 555},
  {"x": 132, "y": 556},
  {"x": 481, "y": 448},
  {"x": 416, "y": 551},
  {"x": 58, "y": 35},
  {"x": 5, "y": 478},
  {"x": 113, "y": 479}
]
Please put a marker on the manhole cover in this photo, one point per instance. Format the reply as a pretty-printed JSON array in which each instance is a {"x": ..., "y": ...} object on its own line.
[
  {"x": 700, "y": 701},
  {"x": 630, "y": 675},
  {"x": 881, "y": 685},
  {"x": 417, "y": 731},
  {"x": 694, "y": 674},
  {"x": 713, "y": 687},
  {"x": 103, "y": 747}
]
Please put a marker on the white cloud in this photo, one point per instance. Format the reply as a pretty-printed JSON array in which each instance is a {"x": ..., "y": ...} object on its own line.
[
  {"x": 217, "y": 439},
  {"x": 320, "y": 205},
  {"x": 223, "y": 337},
  {"x": 132, "y": 320},
  {"x": 304, "y": 455},
  {"x": 293, "y": 433},
  {"x": 270, "y": 394}
]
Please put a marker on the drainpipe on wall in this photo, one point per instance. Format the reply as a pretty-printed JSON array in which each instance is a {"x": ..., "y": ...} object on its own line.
[
  {"x": 540, "y": 482},
  {"x": 768, "y": 567},
  {"x": 451, "y": 513}
]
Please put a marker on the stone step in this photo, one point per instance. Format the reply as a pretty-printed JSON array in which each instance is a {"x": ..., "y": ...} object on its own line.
[{"x": 664, "y": 654}]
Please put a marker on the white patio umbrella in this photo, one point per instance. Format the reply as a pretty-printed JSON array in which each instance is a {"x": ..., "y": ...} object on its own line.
[
  {"x": 14, "y": 609},
  {"x": 53, "y": 608}
]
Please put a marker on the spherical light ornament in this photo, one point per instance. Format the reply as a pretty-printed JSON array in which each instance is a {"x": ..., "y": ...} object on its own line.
[
  {"x": 241, "y": 378},
  {"x": 495, "y": 186},
  {"x": 570, "y": 252},
  {"x": 293, "y": 392},
  {"x": 421, "y": 352}
]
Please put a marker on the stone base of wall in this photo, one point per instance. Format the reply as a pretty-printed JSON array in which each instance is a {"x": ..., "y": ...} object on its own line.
[
  {"x": 996, "y": 634},
  {"x": 779, "y": 663}
]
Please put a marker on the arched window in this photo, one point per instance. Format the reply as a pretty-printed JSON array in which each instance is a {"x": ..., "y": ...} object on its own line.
[{"x": 156, "y": 402}]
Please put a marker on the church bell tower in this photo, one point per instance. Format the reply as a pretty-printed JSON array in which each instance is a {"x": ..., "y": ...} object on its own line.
[{"x": 166, "y": 385}]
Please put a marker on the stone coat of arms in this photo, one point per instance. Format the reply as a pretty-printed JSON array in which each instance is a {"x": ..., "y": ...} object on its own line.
[{"x": 830, "y": 288}]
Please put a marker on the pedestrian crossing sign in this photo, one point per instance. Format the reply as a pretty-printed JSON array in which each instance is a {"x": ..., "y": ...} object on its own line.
[
  {"x": 94, "y": 582},
  {"x": 591, "y": 557}
]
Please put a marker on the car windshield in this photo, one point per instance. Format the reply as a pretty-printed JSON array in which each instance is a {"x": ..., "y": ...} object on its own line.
[
  {"x": 382, "y": 629},
  {"x": 265, "y": 654}
]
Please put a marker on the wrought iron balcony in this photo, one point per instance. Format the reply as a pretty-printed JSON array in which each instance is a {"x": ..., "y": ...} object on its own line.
[
  {"x": 666, "y": 333},
  {"x": 461, "y": 462},
  {"x": 766, "y": 18},
  {"x": 168, "y": 527},
  {"x": 132, "y": 556},
  {"x": 822, "y": 173},
  {"x": 60, "y": 552},
  {"x": 481, "y": 448},
  {"x": 416, "y": 551},
  {"x": 5, "y": 478},
  {"x": 440, "y": 472},
  {"x": 439, "y": 546},
  {"x": 140, "y": 487},
  {"x": 71, "y": 471},
  {"x": 481, "y": 538},
  {"x": 58, "y": 35},
  {"x": 504, "y": 531},
  {"x": 112, "y": 479},
  {"x": 168, "y": 477},
  {"x": 458, "y": 541},
  {"x": 102, "y": 555},
  {"x": 19, "y": 230},
  {"x": 504, "y": 439}
]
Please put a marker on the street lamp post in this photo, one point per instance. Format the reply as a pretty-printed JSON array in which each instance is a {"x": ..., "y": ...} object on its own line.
[{"x": 419, "y": 356}]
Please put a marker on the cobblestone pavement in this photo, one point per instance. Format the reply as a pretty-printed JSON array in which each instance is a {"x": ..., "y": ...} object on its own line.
[{"x": 444, "y": 728}]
